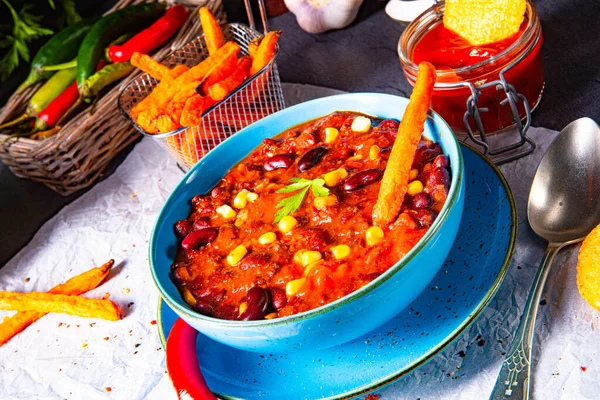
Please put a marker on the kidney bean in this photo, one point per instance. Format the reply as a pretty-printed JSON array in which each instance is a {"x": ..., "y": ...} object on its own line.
[
  {"x": 311, "y": 158},
  {"x": 199, "y": 238},
  {"x": 278, "y": 298},
  {"x": 183, "y": 228},
  {"x": 422, "y": 200},
  {"x": 204, "y": 307},
  {"x": 362, "y": 179},
  {"x": 258, "y": 304},
  {"x": 440, "y": 161},
  {"x": 201, "y": 223},
  {"x": 279, "y": 161},
  {"x": 388, "y": 124},
  {"x": 438, "y": 176},
  {"x": 424, "y": 217},
  {"x": 226, "y": 312}
]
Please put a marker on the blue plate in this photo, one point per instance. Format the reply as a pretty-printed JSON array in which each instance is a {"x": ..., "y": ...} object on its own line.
[{"x": 469, "y": 278}]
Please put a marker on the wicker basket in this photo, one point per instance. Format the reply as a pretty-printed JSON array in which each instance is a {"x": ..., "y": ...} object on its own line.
[
  {"x": 75, "y": 157},
  {"x": 257, "y": 97}
]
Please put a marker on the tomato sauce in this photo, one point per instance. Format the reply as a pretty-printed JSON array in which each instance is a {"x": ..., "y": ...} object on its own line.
[{"x": 241, "y": 210}]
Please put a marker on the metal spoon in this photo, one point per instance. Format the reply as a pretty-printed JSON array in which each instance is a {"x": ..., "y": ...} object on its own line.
[{"x": 563, "y": 207}]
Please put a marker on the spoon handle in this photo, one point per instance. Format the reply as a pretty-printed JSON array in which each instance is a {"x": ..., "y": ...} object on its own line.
[{"x": 514, "y": 378}]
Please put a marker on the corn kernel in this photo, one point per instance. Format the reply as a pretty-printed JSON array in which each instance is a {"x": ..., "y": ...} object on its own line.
[
  {"x": 293, "y": 287},
  {"x": 361, "y": 124},
  {"x": 309, "y": 257},
  {"x": 240, "y": 200},
  {"x": 340, "y": 251},
  {"x": 320, "y": 202},
  {"x": 415, "y": 187},
  {"x": 236, "y": 255},
  {"x": 331, "y": 134},
  {"x": 310, "y": 267},
  {"x": 374, "y": 236},
  {"x": 413, "y": 174},
  {"x": 267, "y": 238},
  {"x": 226, "y": 212},
  {"x": 189, "y": 297},
  {"x": 374, "y": 152},
  {"x": 334, "y": 177},
  {"x": 298, "y": 256},
  {"x": 287, "y": 223},
  {"x": 251, "y": 197},
  {"x": 243, "y": 308},
  {"x": 271, "y": 315}
]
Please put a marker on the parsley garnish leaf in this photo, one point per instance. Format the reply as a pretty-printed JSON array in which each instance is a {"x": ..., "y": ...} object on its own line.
[{"x": 300, "y": 185}]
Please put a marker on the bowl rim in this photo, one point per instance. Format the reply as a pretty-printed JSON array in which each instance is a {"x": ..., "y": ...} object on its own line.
[{"x": 453, "y": 196}]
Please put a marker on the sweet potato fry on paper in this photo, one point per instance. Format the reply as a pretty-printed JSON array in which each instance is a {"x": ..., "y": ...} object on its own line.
[
  {"x": 75, "y": 286},
  {"x": 220, "y": 90},
  {"x": 213, "y": 35},
  {"x": 265, "y": 52},
  {"x": 60, "y": 303},
  {"x": 149, "y": 66},
  {"x": 395, "y": 178}
]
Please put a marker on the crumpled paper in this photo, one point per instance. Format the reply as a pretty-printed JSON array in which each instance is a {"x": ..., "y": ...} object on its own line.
[{"x": 72, "y": 358}]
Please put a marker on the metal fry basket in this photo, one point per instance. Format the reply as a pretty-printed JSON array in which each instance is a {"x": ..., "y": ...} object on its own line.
[{"x": 259, "y": 96}]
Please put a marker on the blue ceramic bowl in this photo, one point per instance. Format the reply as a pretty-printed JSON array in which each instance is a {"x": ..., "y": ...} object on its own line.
[{"x": 346, "y": 318}]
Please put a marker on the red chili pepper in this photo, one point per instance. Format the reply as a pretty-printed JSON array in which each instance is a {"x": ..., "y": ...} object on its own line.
[
  {"x": 182, "y": 363},
  {"x": 151, "y": 37},
  {"x": 49, "y": 116}
]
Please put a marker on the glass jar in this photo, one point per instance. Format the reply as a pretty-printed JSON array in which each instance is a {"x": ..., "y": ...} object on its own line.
[{"x": 521, "y": 62}]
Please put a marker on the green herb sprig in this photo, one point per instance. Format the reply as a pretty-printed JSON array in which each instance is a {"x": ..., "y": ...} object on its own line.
[{"x": 290, "y": 204}]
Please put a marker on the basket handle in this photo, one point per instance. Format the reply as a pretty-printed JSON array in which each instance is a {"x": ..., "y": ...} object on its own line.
[{"x": 263, "y": 15}]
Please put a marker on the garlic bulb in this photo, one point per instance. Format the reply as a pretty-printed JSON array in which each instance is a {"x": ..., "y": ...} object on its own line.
[{"x": 316, "y": 16}]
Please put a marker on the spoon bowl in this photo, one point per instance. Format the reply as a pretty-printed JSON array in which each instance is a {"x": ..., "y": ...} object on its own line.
[
  {"x": 564, "y": 199},
  {"x": 563, "y": 208}
]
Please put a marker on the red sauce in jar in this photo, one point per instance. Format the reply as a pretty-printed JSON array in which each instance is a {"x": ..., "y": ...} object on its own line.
[
  {"x": 256, "y": 285},
  {"x": 426, "y": 39},
  {"x": 446, "y": 49}
]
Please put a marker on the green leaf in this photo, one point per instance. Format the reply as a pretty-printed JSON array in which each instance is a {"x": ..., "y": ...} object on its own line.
[
  {"x": 290, "y": 204},
  {"x": 294, "y": 186},
  {"x": 318, "y": 189},
  {"x": 70, "y": 12},
  {"x": 25, "y": 28}
]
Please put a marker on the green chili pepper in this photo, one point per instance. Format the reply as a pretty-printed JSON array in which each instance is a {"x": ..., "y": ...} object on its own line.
[
  {"x": 60, "y": 48},
  {"x": 101, "y": 79},
  {"x": 73, "y": 63},
  {"x": 107, "y": 29}
]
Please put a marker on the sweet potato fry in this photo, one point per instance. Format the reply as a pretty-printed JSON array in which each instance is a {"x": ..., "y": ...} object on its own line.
[
  {"x": 75, "y": 286},
  {"x": 151, "y": 99},
  {"x": 200, "y": 71},
  {"x": 221, "y": 72},
  {"x": 253, "y": 47},
  {"x": 193, "y": 110},
  {"x": 220, "y": 90},
  {"x": 265, "y": 52},
  {"x": 395, "y": 178},
  {"x": 165, "y": 123},
  {"x": 60, "y": 303},
  {"x": 147, "y": 119},
  {"x": 149, "y": 66},
  {"x": 213, "y": 35}
]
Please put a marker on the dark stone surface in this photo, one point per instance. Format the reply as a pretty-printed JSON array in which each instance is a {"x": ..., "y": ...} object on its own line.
[{"x": 359, "y": 58}]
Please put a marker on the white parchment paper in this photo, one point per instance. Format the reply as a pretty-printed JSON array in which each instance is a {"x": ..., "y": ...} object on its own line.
[{"x": 63, "y": 357}]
